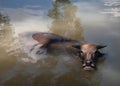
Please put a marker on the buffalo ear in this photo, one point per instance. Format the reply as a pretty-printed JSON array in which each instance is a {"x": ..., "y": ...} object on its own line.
[
  {"x": 101, "y": 46},
  {"x": 76, "y": 46}
]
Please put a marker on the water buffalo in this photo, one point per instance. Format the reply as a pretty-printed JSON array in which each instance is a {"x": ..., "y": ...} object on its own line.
[{"x": 89, "y": 53}]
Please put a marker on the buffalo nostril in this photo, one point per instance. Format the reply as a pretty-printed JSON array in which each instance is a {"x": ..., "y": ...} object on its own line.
[
  {"x": 84, "y": 65},
  {"x": 92, "y": 65},
  {"x": 88, "y": 62}
]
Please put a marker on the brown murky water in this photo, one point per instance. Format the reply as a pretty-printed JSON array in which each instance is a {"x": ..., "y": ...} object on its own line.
[{"x": 84, "y": 20}]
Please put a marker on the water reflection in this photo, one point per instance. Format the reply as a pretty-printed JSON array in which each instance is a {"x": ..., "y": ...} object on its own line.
[
  {"x": 6, "y": 35},
  {"x": 7, "y": 58},
  {"x": 5, "y": 28},
  {"x": 65, "y": 22},
  {"x": 8, "y": 42},
  {"x": 20, "y": 67}
]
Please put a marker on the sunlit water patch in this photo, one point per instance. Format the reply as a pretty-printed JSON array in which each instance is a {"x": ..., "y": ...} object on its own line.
[{"x": 24, "y": 20}]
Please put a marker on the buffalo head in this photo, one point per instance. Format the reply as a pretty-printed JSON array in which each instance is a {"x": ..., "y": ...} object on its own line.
[{"x": 89, "y": 53}]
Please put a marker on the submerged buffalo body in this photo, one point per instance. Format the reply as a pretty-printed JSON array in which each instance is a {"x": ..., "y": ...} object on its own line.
[{"x": 89, "y": 53}]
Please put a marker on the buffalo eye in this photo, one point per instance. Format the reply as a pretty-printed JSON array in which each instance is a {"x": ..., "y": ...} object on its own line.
[
  {"x": 81, "y": 52},
  {"x": 96, "y": 55}
]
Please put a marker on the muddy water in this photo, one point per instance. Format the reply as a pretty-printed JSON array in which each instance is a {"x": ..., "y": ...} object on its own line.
[{"x": 84, "y": 20}]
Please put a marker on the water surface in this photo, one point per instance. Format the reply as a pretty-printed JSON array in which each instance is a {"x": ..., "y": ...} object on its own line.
[{"x": 84, "y": 20}]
